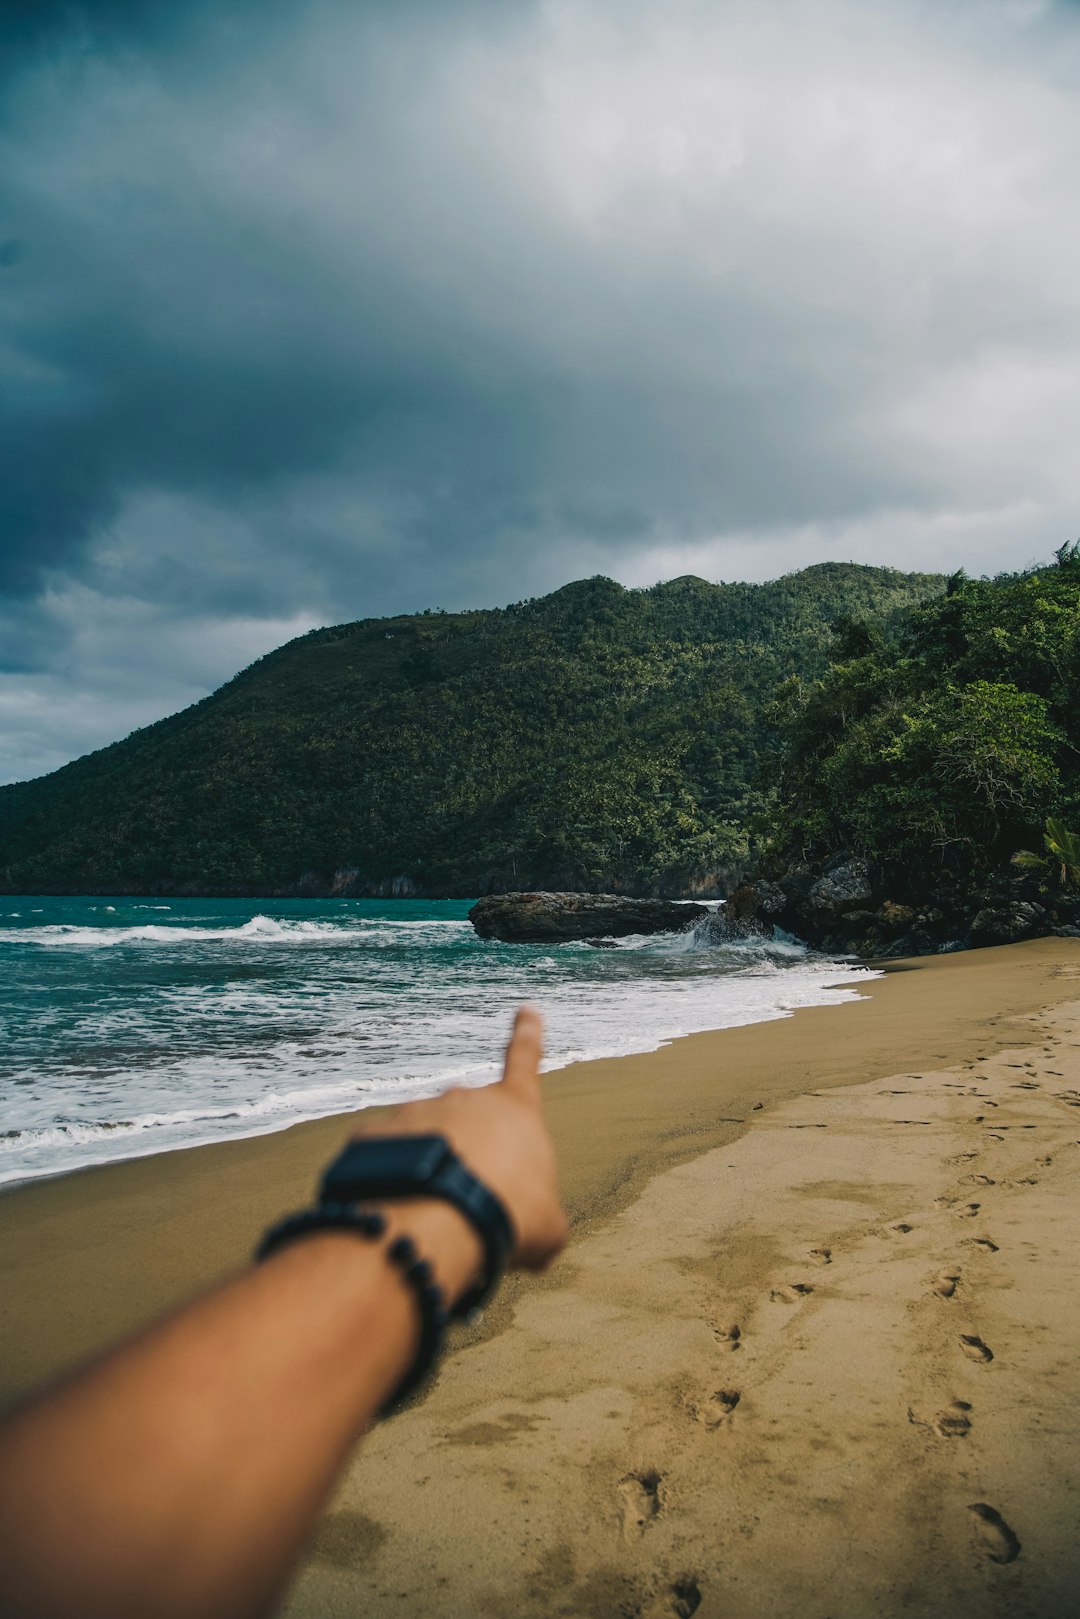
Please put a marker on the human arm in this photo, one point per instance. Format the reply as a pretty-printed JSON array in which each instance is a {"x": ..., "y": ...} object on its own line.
[{"x": 181, "y": 1473}]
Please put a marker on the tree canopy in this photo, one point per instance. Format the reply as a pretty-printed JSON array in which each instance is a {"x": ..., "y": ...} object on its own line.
[
  {"x": 945, "y": 746},
  {"x": 597, "y": 738}
]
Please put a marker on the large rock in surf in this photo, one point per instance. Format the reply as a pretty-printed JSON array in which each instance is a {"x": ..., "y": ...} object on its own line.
[{"x": 557, "y": 918}]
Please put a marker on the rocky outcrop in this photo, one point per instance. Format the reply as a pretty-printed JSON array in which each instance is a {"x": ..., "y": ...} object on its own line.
[
  {"x": 558, "y": 918},
  {"x": 843, "y": 887},
  {"x": 1008, "y": 922},
  {"x": 749, "y": 914},
  {"x": 844, "y": 907},
  {"x": 759, "y": 901}
]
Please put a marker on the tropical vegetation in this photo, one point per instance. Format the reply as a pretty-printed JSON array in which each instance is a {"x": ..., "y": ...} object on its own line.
[
  {"x": 939, "y": 746},
  {"x": 597, "y": 738}
]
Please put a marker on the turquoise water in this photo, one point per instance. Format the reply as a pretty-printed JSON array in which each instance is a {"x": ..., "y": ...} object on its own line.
[{"x": 130, "y": 1026}]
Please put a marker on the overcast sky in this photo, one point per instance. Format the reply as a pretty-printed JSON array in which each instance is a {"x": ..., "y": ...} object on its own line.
[{"x": 311, "y": 311}]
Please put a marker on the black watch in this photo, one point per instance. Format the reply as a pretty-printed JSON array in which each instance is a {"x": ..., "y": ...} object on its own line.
[{"x": 374, "y": 1168}]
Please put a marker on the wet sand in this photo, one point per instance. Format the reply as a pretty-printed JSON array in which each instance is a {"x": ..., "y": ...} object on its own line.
[{"x": 812, "y": 1349}]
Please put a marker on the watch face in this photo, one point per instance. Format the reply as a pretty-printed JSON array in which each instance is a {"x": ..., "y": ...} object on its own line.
[{"x": 384, "y": 1164}]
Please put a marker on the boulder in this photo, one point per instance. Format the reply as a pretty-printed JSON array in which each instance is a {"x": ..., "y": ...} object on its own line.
[
  {"x": 893, "y": 917},
  {"x": 755, "y": 901},
  {"x": 720, "y": 927},
  {"x": 558, "y": 918},
  {"x": 1007, "y": 922},
  {"x": 845, "y": 886}
]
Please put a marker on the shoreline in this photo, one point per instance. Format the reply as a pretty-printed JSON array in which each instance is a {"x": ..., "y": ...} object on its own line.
[
  {"x": 90, "y": 1254},
  {"x": 848, "y": 978}
]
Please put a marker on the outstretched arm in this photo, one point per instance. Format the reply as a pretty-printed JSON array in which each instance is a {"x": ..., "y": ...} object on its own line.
[{"x": 181, "y": 1473}]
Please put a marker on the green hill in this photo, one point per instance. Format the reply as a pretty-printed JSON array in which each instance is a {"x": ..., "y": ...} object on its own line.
[
  {"x": 935, "y": 754},
  {"x": 597, "y": 738}
]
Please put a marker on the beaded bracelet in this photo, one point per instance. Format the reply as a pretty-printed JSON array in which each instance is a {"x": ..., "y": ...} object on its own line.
[{"x": 402, "y": 1254}]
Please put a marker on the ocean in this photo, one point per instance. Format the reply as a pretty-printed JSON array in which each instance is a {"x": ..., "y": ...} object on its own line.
[{"x": 131, "y": 1026}]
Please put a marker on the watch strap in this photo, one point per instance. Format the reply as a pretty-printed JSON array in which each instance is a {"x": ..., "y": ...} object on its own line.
[{"x": 426, "y": 1166}]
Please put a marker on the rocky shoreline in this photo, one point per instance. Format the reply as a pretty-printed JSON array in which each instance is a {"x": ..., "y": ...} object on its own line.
[
  {"x": 846, "y": 907},
  {"x": 843, "y": 907}
]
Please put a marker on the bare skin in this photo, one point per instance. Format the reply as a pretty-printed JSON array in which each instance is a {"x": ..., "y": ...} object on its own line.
[{"x": 181, "y": 1473}]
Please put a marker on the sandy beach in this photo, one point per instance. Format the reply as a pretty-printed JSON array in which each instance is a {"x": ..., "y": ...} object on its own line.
[{"x": 812, "y": 1350}]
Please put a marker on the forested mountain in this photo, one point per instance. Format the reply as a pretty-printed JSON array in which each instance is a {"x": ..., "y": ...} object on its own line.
[
  {"x": 944, "y": 747},
  {"x": 915, "y": 774},
  {"x": 597, "y": 738}
]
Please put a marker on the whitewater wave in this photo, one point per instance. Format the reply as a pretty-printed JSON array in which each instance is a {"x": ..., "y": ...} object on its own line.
[
  {"x": 264, "y": 929},
  {"x": 259, "y": 930},
  {"x": 329, "y": 1077},
  {"x": 80, "y": 1143},
  {"x": 218, "y": 1024}
]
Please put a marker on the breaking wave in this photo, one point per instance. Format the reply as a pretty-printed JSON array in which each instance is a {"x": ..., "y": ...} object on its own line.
[
  {"x": 126, "y": 1035},
  {"x": 259, "y": 930}
]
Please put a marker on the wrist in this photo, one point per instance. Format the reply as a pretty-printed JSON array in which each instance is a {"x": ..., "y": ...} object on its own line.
[
  {"x": 422, "y": 1263},
  {"x": 442, "y": 1235}
]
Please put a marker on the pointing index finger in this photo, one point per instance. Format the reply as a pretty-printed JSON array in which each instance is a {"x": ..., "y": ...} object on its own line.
[{"x": 521, "y": 1071}]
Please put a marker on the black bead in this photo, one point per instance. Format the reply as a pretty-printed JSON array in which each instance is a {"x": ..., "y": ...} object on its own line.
[{"x": 402, "y": 1251}]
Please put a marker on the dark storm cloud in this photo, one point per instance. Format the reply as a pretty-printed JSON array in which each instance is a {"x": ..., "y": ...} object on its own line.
[{"x": 309, "y": 311}]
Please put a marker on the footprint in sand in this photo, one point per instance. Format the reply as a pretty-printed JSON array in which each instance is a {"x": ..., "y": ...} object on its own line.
[
  {"x": 821, "y": 1256},
  {"x": 984, "y": 1243},
  {"x": 953, "y": 1422},
  {"x": 998, "y": 1540},
  {"x": 968, "y": 1211},
  {"x": 728, "y": 1337},
  {"x": 639, "y": 1494},
  {"x": 945, "y": 1283},
  {"x": 790, "y": 1294},
  {"x": 681, "y": 1600},
  {"x": 903, "y": 1227},
  {"x": 974, "y": 1348},
  {"x": 717, "y": 1408}
]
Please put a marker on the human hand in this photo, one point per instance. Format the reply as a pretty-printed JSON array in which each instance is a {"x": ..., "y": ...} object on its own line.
[{"x": 499, "y": 1133}]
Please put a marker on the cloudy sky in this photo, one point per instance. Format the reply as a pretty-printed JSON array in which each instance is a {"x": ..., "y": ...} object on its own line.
[{"x": 316, "y": 309}]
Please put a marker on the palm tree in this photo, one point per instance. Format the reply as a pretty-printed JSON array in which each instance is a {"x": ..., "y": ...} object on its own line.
[{"x": 1063, "y": 848}]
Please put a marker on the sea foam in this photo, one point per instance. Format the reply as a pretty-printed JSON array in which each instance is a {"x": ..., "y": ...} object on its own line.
[{"x": 125, "y": 1037}]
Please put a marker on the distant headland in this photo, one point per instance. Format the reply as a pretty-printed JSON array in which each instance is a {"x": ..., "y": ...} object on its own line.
[{"x": 919, "y": 736}]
